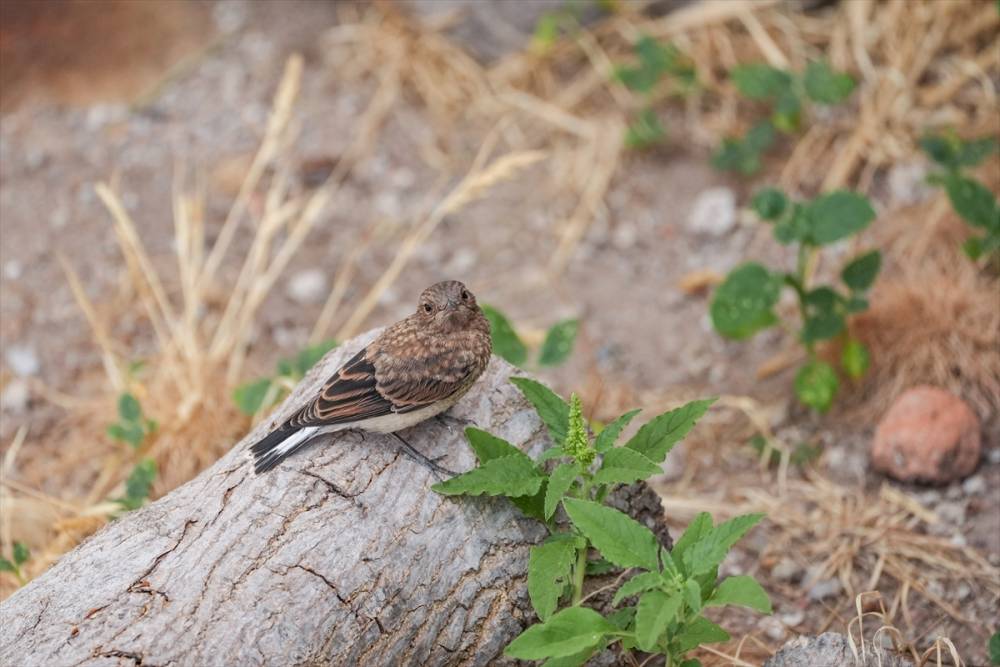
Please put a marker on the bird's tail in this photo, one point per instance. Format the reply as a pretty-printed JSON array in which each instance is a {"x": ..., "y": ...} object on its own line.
[{"x": 278, "y": 445}]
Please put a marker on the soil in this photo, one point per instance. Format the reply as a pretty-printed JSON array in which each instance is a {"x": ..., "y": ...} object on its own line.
[{"x": 197, "y": 87}]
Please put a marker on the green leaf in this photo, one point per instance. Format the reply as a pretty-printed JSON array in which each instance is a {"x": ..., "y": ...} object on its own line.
[
  {"x": 620, "y": 538},
  {"x": 567, "y": 632},
  {"x": 534, "y": 505},
  {"x": 308, "y": 357},
  {"x": 973, "y": 248},
  {"x": 696, "y": 531},
  {"x": 860, "y": 272},
  {"x": 743, "y": 303},
  {"x": 794, "y": 227},
  {"x": 697, "y": 632},
  {"x": 645, "y": 131},
  {"x": 609, "y": 434},
  {"x": 560, "y": 481},
  {"x": 708, "y": 551},
  {"x": 128, "y": 408},
  {"x": 655, "y": 611},
  {"x": 550, "y": 453},
  {"x": 839, "y": 214},
  {"x": 816, "y": 385},
  {"x": 995, "y": 639},
  {"x": 787, "y": 114},
  {"x": 770, "y": 203},
  {"x": 743, "y": 155},
  {"x": 691, "y": 662},
  {"x": 138, "y": 484},
  {"x": 823, "y": 317},
  {"x": 549, "y": 567},
  {"x": 854, "y": 359},
  {"x": 249, "y": 396},
  {"x": 575, "y": 660},
  {"x": 953, "y": 153},
  {"x": 7, "y": 566},
  {"x": 622, "y": 618},
  {"x": 759, "y": 81},
  {"x": 658, "y": 436},
  {"x": 637, "y": 584},
  {"x": 506, "y": 342},
  {"x": 21, "y": 553},
  {"x": 488, "y": 447},
  {"x": 550, "y": 407},
  {"x": 973, "y": 201},
  {"x": 741, "y": 590},
  {"x": 558, "y": 343},
  {"x": 692, "y": 595},
  {"x": 622, "y": 465},
  {"x": 599, "y": 567},
  {"x": 856, "y": 304},
  {"x": 826, "y": 86},
  {"x": 546, "y": 32},
  {"x": 506, "y": 476}
]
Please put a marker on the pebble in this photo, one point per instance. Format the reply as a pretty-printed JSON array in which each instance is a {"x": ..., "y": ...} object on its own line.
[
  {"x": 12, "y": 269},
  {"x": 826, "y": 588},
  {"x": 624, "y": 236},
  {"x": 23, "y": 360},
  {"x": 307, "y": 286},
  {"x": 974, "y": 485},
  {"x": 993, "y": 456},
  {"x": 951, "y": 513},
  {"x": 14, "y": 398},
  {"x": 713, "y": 212},
  {"x": 908, "y": 183},
  {"x": 786, "y": 570},
  {"x": 772, "y": 627},
  {"x": 792, "y": 618}
]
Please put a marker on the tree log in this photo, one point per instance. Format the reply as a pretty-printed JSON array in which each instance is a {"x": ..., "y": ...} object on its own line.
[{"x": 340, "y": 556}]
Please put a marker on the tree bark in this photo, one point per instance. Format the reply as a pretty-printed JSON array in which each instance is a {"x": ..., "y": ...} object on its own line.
[{"x": 340, "y": 556}]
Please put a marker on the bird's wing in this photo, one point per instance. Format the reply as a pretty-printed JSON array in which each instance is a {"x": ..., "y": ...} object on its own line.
[{"x": 364, "y": 388}]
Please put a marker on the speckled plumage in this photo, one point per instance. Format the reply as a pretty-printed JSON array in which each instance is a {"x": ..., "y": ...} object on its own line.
[{"x": 415, "y": 369}]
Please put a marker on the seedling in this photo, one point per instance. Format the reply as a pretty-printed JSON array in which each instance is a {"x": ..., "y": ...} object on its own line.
[
  {"x": 138, "y": 485},
  {"x": 132, "y": 426},
  {"x": 257, "y": 395},
  {"x": 660, "y": 607},
  {"x": 556, "y": 348},
  {"x": 744, "y": 303},
  {"x": 972, "y": 200},
  {"x": 786, "y": 95},
  {"x": 19, "y": 557}
]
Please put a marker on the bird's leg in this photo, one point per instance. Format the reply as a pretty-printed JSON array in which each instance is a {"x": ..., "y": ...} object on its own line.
[{"x": 421, "y": 459}]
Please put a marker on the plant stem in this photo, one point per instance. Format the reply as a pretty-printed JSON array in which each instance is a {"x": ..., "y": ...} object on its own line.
[{"x": 581, "y": 559}]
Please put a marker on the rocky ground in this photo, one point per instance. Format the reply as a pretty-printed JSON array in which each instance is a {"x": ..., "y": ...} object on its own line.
[{"x": 205, "y": 101}]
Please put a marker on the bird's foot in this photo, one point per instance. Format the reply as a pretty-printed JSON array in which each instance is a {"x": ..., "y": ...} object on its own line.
[{"x": 430, "y": 464}]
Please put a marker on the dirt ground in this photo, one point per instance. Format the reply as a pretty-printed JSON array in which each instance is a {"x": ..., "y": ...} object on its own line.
[{"x": 203, "y": 101}]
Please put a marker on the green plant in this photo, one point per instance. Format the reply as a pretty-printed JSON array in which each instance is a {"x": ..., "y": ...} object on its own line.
[
  {"x": 138, "y": 485},
  {"x": 802, "y": 454},
  {"x": 655, "y": 63},
  {"x": 19, "y": 557},
  {"x": 995, "y": 639},
  {"x": 744, "y": 303},
  {"x": 556, "y": 347},
  {"x": 972, "y": 200},
  {"x": 786, "y": 95},
  {"x": 660, "y": 607},
  {"x": 132, "y": 426},
  {"x": 256, "y": 395}
]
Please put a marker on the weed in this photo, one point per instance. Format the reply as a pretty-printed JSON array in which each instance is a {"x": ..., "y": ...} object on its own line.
[
  {"x": 132, "y": 426},
  {"x": 744, "y": 303},
  {"x": 786, "y": 95},
  {"x": 19, "y": 557},
  {"x": 555, "y": 349},
  {"x": 660, "y": 607},
  {"x": 138, "y": 485}
]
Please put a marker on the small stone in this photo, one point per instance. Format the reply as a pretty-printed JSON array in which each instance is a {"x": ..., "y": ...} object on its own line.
[
  {"x": 908, "y": 183},
  {"x": 962, "y": 591},
  {"x": 12, "y": 269},
  {"x": 15, "y": 396},
  {"x": 307, "y": 286},
  {"x": 787, "y": 570},
  {"x": 713, "y": 212},
  {"x": 826, "y": 588},
  {"x": 929, "y": 498},
  {"x": 927, "y": 435},
  {"x": 23, "y": 360},
  {"x": 993, "y": 456},
  {"x": 951, "y": 513},
  {"x": 830, "y": 649},
  {"x": 624, "y": 236},
  {"x": 772, "y": 627},
  {"x": 793, "y": 618},
  {"x": 974, "y": 485}
]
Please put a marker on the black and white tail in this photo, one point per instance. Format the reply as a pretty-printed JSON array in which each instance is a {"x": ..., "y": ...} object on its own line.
[{"x": 278, "y": 445}]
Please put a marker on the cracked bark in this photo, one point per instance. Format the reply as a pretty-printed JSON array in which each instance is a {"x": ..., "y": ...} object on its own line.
[{"x": 340, "y": 556}]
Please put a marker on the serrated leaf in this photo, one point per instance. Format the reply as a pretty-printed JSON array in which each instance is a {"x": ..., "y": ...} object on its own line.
[
  {"x": 620, "y": 538},
  {"x": 609, "y": 434},
  {"x": 128, "y": 408},
  {"x": 837, "y": 215},
  {"x": 567, "y": 632},
  {"x": 816, "y": 385},
  {"x": 708, "y": 551},
  {"x": 743, "y": 304},
  {"x": 560, "y": 481},
  {"x": 249, "y": 396},
  {"x": 973, "y": 201},
  {"x": 860, "y": 272},
  {"x": 658, "y": 436},
  {"x": 549, "y": 566},
  {"x": 558, "y": 343},
  {"x": 623, "y": 465},
  {"x": 759, "y": 81},
  {"x": 655, "y": 611},
  {"x": 692, "y": 595},
  {"x": 640, "y": 583},
  {"x": 21, "y": 553},
  {"x": 552, "y": 409},
  {"x": 534, "y": 505},
  {"x": 488, "y": 446},
  {"x": 697, "y": 632},
  {"x": 506, "y": 343},
  {"x": 699, "y": 527},
  {"x": 505, "y": 476},
  {"x": 854, "y": 359},
  {"x": 826, "y": 86},
  {"x": 769, "y": 203},
  {"x": 741, "y": 590}
]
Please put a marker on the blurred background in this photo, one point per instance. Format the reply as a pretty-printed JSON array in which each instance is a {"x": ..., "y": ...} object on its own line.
[{"x": 200, "y": 198}]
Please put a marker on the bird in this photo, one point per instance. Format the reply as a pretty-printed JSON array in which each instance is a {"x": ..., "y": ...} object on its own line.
[{"x": 414, "y": 370}]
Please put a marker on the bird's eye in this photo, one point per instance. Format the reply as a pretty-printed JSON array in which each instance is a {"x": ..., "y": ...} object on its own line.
[
  {"x": 428, "y": 308},
  {"x": 465, "y": 295}
]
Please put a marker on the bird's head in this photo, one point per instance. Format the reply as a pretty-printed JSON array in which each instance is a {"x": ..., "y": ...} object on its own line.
[{"x": 448, "y": 306}]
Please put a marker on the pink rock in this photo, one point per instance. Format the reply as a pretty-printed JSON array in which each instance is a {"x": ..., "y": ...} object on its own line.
[{"x": 928, "y": 435}]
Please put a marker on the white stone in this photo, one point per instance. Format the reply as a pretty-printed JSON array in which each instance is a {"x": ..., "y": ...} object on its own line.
[
  {"x": 826, "y": 588},
  {"x": 908, "y": 183},
  {"x": 307, "y": 286},
  {"x": 713, "y": 212},
  {"x": 772, "y": 627},
  {"x": 15, "y": 397},
  {"x": 974, "y": 485},
  {"x": 786, "y": 570},
  {"x": 12, "y": 269},
  {"x": 23, "y": 360},
  {"x": 792, "y": 618}
]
